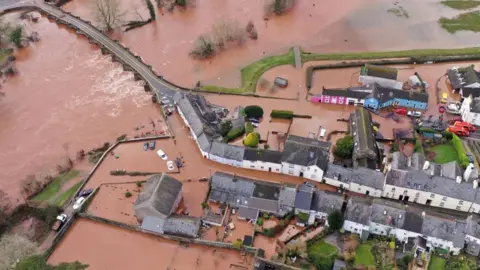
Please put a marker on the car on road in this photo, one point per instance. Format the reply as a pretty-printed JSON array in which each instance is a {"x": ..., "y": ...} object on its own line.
[
  {"x": 145, "y": 146},
  {"x": 85, "y": 193},
  {"x": 162, "y": 154},
  {"x": 170, "y": 165},
  {"x": 60, "y": 220},
  {"x": 441, "y": 109},
  {"x": 151, "y": 145},
  {"x": 78, "y": 203},
  {"x": 178, "y": 162},
  {"x": 414, "y": 113},
  {"x": 401, "y": 111}
]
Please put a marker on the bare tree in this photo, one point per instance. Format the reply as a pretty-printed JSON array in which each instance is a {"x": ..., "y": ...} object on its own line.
[
  {"x": 31, "y": 185},
  {"x": 226, "y": 31},
  {"x": 14, "y": 247},
  {"x": 108, "y": 13}
]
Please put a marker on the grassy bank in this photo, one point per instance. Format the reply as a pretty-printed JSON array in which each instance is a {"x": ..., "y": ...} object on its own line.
[
  {"x": 444, "y": 153},
  {"x": 364, "y": 256},
  {"x": 469, "y": 21},
  {"x": 55, "y": 186},
  {"x": 461, "y": 4},
  {"x": 62, "y": 198}
]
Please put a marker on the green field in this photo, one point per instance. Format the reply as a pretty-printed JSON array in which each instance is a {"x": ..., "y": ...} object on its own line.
[
  {"x": 364, "y": 256},
  {"x": 322, "y": 249},
  {"x": 469, "y": 21},
  {"x": 62, "y": 198},
  {"x": 55, "y": 186},
  {"x": 444, "y": 153},
  {"x": 461, "y": 4}
]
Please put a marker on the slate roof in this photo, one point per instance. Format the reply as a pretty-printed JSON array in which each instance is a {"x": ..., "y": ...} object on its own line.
[
  {"x": 160, "y": 193},
  {"x": 306, "y": 152},
  {"x": 266, "y": 190},
  {"x": 379, "y": 72},
  {"x": 367, "y": 177},
  {"x": 400, "y": 161},
  {"x": 473, "y": 91},
  {"x": 153, "y": 224},
  {"x": 204, "y": 142},
  {"x": 338, "y": 173},
  {"x": 384, "y": 94},
  {"x": 326, "y": 202},
  {"x": 475, "y": 105},
  {"x": 271, "y": 156},
  {"x": 247, "y": 212},
  {"x": 413, "y": 222},
  {"x": 265, "y": 205},
  {"x": 287, "y": 196},
  {"x": 359, "y": 210},
  {"x": 228, "y": 151},
  {"x": 435, "y": 184},
  {"x": 365, "y": 152},
  {"x": 450, "y": 230},
  {"x": 186, "y": 226},
  {"x": 303, "y": 199},
  {"x": 467, "y": 74},
  {"x": 360, "y": 92},
  {"x": 388, "y": 213},
  {"x": 229, "y": 189},
  {"x": 473, "y": 226}
]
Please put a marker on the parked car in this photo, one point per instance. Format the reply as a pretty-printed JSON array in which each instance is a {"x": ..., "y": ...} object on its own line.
[
  {"x": 470, "y": 158},
  {"x": 441, "y": 109},
  {"x": 401, "y": 111},
  {"x": 255, "y": 124},
  {"x": 203, "y": 179},
  {"x": 151, "y": 145},
  {"x": 178, "y": 162},
  {"x": 85, "y": 193},
  {"x": 78, "y": 203},
  {"x": 145, "y": 146},
  {"x": 59, "y": 222},
  {"x": 414, "y": 113},
  {"x": 161, "y": 154},
  {"x": 444, "y": 98},
  {"x": 170, "y": 165},
  {"x": 253, "y": 120}
]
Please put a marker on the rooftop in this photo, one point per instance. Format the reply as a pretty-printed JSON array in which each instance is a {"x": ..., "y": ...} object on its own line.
[
  {"x": 359, "y": 210},
  {"x": 326, "y": 202},
  {"x": 303, "y": 199},
  {"x": 362, "y": 176},
  {"x": 271, "y": 156},
  {"x": 365, "y": 146},
  {"x": 384, "y": 94},
  {"x": 463, "y": 76},
  {"x": 401, "y": 161},
  {"x": 228, "y": 151},
  {"x": 360, "y": 92},
  {"x": 379, "y": 72},
  {"x": 306, "y": 152},
  {"x": 187, "y": 226},
  {"x": 388, "y": 213}
]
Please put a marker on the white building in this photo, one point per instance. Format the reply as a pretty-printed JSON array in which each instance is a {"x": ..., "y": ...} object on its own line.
[
  {"x": 470, "y": 110},
  {"x": 262, "y": 160},
  {"x": 357, "y": 217},
  {"x": 226, "y": 154},
  {"x": 382, "y": 75},
  {"x": 360, "y": 180},
  {"x": 305, "y": 157}
]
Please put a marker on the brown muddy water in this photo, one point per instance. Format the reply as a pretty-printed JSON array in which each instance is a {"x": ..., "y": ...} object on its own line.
[{"x": 66, "y": 97}]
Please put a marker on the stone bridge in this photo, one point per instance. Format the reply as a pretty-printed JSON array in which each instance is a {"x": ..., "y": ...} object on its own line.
[{"x": 120, "y": 53}]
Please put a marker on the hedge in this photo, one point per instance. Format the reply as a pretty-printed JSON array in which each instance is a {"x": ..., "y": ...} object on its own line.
[
  {"x": 248, "y": 128},
  {"x": 282, "y": 114},
  {"x": 234, "y": 133},
  {"x": 462, "y": 156}
]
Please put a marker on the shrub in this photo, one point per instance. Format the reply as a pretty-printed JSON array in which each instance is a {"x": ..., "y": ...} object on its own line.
[
  {"x": 139, "y": 184},
  {"x": 128, "y": 194},
  {"x": 225, "y": 127},
  {"x": 260, "y": 221},
  {"x": 344, "y": 147},
  {"x": 121, "y": 137},
  {"x": 270, "y": 232},
  {"x": 248, "y": 128},
  {"x": 254, "y": 111},
  {"x": 335, "y": 220},
  {"x": 447, "y": 135},
  {"x": 282, "y": 114},
  {"x": 462, "y": 156},
  {"x": 227, "y": 31},
  {"x": 277, "y": 6},
  {"x": 391, "y": 245},
  {"x": 251, "y": 140},
  {"x": 204, "y": 205},
  {"x": 16, "y": 36},
  {"x": 238, "y": 243},
  {"x": 235, "y": 133},
  {"x": 250, "y": 26},
  {"x": 181, "y": 3},
  {"x": 203, "y": 48},
  {"x": 254, "y": 35}
]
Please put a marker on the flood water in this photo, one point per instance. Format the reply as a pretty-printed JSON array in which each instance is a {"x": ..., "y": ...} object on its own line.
[{"x": 66, "y": 97}]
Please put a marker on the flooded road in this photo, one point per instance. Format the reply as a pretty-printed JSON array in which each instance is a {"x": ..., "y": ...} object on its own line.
[{"x": 63, "y": 100}]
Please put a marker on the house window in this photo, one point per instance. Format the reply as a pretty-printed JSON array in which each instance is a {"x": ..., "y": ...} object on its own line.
[
  {"x": 314, "y": 170},
  {"x": 251, "y": 166},
  {"x": 442, "y": 204},
  {"x": 405, "y": 191},
  {"x": 291, "y": 166},
  {"x": 261, "y": 167},
  {"x": 444, "y": 198},
  {"x": 393, "y": 189},
  {"x": 432, "y": 195},
  {"x": 290, "y": 171},
  {"x": 417, "y": 195},
  {"x": 458, "y": 207},
  {"x": 460, "y": 202}
]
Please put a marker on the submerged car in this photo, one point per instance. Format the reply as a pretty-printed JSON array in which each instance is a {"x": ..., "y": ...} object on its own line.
[
  {"x": 85, "y": 192},
  {"x": 178, "y": 162},
  {"x": 170, "y": 165},
  {"x": 145, "y": 146},
  {"x": 162, "y": 154},
  {"x": 151, "y": 145},
  {"x": 78, "y": 203}
]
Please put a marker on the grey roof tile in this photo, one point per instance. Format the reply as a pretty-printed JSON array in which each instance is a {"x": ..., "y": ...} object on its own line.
[
  {"x": 187, "y": 226},
  {"x": 365, "y": 149},
  {"x": 326, "y": 202},
  {"x": 306, "y": 152},
  {"x": 359, "y": 210},
  {"x": 228, "y": 151},
  {"x": 271, "y": 156}
]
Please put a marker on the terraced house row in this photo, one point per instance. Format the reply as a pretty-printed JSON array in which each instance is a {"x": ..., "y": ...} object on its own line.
[{"x": 411, "y": 179}]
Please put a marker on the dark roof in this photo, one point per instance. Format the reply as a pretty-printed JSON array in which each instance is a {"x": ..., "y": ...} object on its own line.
[
  {"x": 353, "y": 92},
  {"x": 463, "y": 76},
  {"x": 473, "y": 226},
  {"x": 230, "y": 189},
  {"x": 248, "y": 240},
  {"x": 153, "y": 224},
  {"x": 475, "y": 105},
  {"x": 160, "y": 192},
  {"x": 228, "y": 151},
  {"x": 266, "y": 190},
  {"x": 450, "y": 230},
  {"x": 365, "y": 149},
  {"x": 306, "y": 152},
  {"x": 359, "y": 210},
  {"x": 180, "y": 225},
  {"x": 303, "y": 199},
  {"x": 388, "y": 213},
  {"x": 271, "y": 156},
  {"x": 385, "y": 94},
  {"x": 400, "y": 161},
  {"x": 247, "y": 212},
  {"x": 379, "y": 72},
  {"x": 264, "y": 205},
  {"x": 413, "y": 222},
  {"x": 326, "y": 202},
  {"x": 361, "y": 176},
  {"x": 470, "y": 91}
]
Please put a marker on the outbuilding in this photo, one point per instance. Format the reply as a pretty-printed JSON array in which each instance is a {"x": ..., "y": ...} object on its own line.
[{"x": 280, "y": 82}]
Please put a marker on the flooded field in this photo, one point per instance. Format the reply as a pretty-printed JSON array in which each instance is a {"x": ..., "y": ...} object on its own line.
[
  {"x": 63, "y": 100},
  {"x": 133, "y": 250},
  {"x": 266, "y": 243}
]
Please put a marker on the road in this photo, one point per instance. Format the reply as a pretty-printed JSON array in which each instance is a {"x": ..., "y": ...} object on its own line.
[{"x": 160, "y": 86}]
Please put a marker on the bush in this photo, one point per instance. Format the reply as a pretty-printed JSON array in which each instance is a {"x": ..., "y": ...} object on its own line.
[
  {"x": 121, "y": 137},
  {"x": 344, "y": 147},
  {"x": 139, "y": 184},
  {"x": 260, "y": 221},
  {"x": 203, "y": 48},
  {"x": 128, "y": 194},
  {"x": 16, "y": 36},
  {"x": 252, "y": 140},
  {"x": 254, "y": 111},
  {"x": 282, "y": 114},
  {"x": 235, "y": 133},
  {"x": 277, "y": 6},
  {"x": 238, "y": 243},
  {"x": 204, "y": 205},
  {"x": 462, "y": 156},
  {"x": 248, "y": 128},
  {"x": 447, "y": 135},
  {"x": 335, "y": 220},
  {"x": 225, "y": 127}
]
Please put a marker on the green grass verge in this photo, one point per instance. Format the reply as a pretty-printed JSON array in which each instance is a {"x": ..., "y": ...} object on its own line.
[
  {"x": 436, "y": 263},
  {"x": 62, "y": 198},
  {"x": 253, "y": 72},
  {"x": 364, "y": 256},
  {"x": 54, "y": 187},
  {"x": 461, "y": 4},
  {"x": 469, "y": 21},
  {"x": 444, "y": 153}
]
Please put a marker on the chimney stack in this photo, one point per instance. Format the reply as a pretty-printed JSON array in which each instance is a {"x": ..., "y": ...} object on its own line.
[
  {"x": 409, "y": 162},
  {"x": 475, "y": 183},
  {"x": 468, "y": 171},
  {"x": 423, "y": 214},
  {"x": 459, "y": 179},
  {"x": 426, "y": 165}
]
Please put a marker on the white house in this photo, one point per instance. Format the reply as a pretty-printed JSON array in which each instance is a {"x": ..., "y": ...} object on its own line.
[
  {"x": 470, "y": 110},
  {"x": 262, "y": 160},
  {"x": 464, "y": 80},
  {"x": 226, "y": 154},
  {"x": 357, "y": 216},
  {"x": 305, "y": 157},
  {"x": 325, "y": 202},
  {"x": 382, "y": 75},
  {"x": 360, "y": 180}
]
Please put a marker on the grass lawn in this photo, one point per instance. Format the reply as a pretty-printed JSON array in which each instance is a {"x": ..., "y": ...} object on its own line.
[
  {"x": 54, "y": 187},
  {"x": 436, "y": 263},
  {"x": 364, "y": 255},
  {"x": 469, "y": 21},
  {"x": 322, "y": 249},
  {"x": 444, "y": 153},
  {"x": 62, "y": 198},
  {"x": 461, "y": 4}
]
